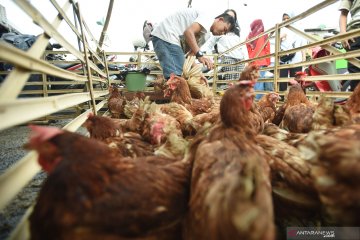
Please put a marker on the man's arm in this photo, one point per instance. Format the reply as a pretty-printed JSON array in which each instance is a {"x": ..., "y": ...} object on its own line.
[
  {"x": 342, "y": 25},
  {"x": 190, "y": 39}
]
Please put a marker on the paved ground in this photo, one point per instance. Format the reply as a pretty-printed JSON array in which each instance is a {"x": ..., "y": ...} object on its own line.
[{"x": 11, "y": 142}]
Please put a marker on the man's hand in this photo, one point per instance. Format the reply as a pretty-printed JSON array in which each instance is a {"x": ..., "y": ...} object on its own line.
[
  {"x": 207, "y": 62},
  {"x": 346, "y": 43}
]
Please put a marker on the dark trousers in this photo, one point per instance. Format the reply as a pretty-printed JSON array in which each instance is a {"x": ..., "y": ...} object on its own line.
[
  {"x": 288, "y": 72},
  {"x": 351, "y": 68}
]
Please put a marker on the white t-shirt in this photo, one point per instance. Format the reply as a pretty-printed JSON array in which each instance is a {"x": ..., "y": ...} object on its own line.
[
  {"x": 172, "y": 27},
  {"x": 292, "y": 41},
  {"x": 224, "y": 43}
]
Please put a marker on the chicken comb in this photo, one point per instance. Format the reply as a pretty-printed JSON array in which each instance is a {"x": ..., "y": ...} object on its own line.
[
  {"x": 300, "y": 73},
  {"x": 172, "y": 76},
  {"x": 255, "y": 66}
]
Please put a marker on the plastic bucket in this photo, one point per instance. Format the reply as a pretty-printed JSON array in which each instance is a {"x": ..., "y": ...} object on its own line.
[{"x": 135, "y": 81}]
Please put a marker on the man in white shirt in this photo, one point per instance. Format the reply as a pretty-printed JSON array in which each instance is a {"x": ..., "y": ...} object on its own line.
[
  {"x": 290, "y": 40},
  {"x": 191, "y": 25},
  {"x": 352, "y": 7},
  {"x": 224, "y": 43}
]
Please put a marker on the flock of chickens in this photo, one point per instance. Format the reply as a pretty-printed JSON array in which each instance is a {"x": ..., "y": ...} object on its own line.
[{"x": 201, "y": 166}]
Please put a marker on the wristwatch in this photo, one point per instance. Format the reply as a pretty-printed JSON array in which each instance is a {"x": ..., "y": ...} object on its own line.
[{"x": 199, "y": 54}]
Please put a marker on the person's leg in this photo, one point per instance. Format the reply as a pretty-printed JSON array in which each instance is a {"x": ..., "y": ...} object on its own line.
[
  {"x": 293, "y": 71},
  {"x": 284, "y": 73},
  {"x": 260, "y": 85},
  {"x": 227, "y": 60},
  {"x": 351, "y": 68},
  {"x": 239, "y": 68},
  {"x": 269, "y": 86},
  {"x": 171, "y": 57}
]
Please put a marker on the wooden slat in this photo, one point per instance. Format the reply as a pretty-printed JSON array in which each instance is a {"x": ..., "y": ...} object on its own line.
[
  {"x": 11, "y": 182},
  {"x": 331, "y": 49},
  {"x": 86, "y": 27},
  {"x": 106, "y": 24},
  {"x": 62, "y": 12},
  {"x": 10, "y": 90},
  {"x": 90, "y": 86},
  {"x": 51, "y": 31},
  {"x": 22, "y": 229},
  {"x": 329, "y": 94},
  {"x": 47, "y": 27},
  {"x": 20, "y": 111},
  {"x": 332, "y": 77},
  {"x": 27, "y": 62},
  {"x": 351, "y": 54},
  {"x": 27, "y": 167},
  {"x": 78, "y": 121},
  {"x": 324, "y": 43}
]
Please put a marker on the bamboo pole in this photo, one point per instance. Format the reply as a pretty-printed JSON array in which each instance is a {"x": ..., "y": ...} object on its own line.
[
  {"x": 87, "y": 61},
  {"x": 276, "y": 63},
  {"x": 107, "y": 21},
  {"x": 9, "y": 89}
]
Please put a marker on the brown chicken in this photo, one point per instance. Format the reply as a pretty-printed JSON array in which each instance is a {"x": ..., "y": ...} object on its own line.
[
  {"x": 198, "y": 121},
  {"x": 250, "y": 72},
  {"x": 158, "y": 126},
  {"x": 129, "y": 144},
  {"x": 181, "y": 114},
  {"x": 323, "y": 117},
  {"x": 116, "y": 102},
  {"x": 230, "y": 187},
  {"x": 295, "y": 96},
  {"x": 342, "y": 115},
  {"x": 293, "y": 139},
  {"x": 353, "y": 104},
  {"x": 101, "y": 127},
  {"x": 159, "y": 84},
  {"x": 298, "y": 118},
  {"x": 297, "y": 111},
  {"x": 286, "y": 164},
  {"x": 256, "y": 119},
  {"x": 267, "y": 106},
  {"x": 336, "y": 158},
  {"x": 180, "y": 93},
  {"x": 250, "y": 76},
  {"x": 178, "y": 90},
  {"x": 91, "y": 194},
  {"x": 132, "y": 105},
  {"x": 296, "y": 201},
  {"x": 198, "y": 85},
  {"x": 175, "y": 147},
  {"x": 136, "y": 122},
  {"x": 350, "y": 112}
]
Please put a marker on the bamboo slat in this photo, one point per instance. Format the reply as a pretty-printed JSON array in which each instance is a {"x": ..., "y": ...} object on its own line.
[
  {"x": 21, "y": 111},
  {"x": 27, "y": 62},
  {"x": 11, "y": 90},
  {"x": 22, "y": 229}
]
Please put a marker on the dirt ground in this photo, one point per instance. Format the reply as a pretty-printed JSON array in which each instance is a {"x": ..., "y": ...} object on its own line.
[{"x": 11, "y": 150}]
